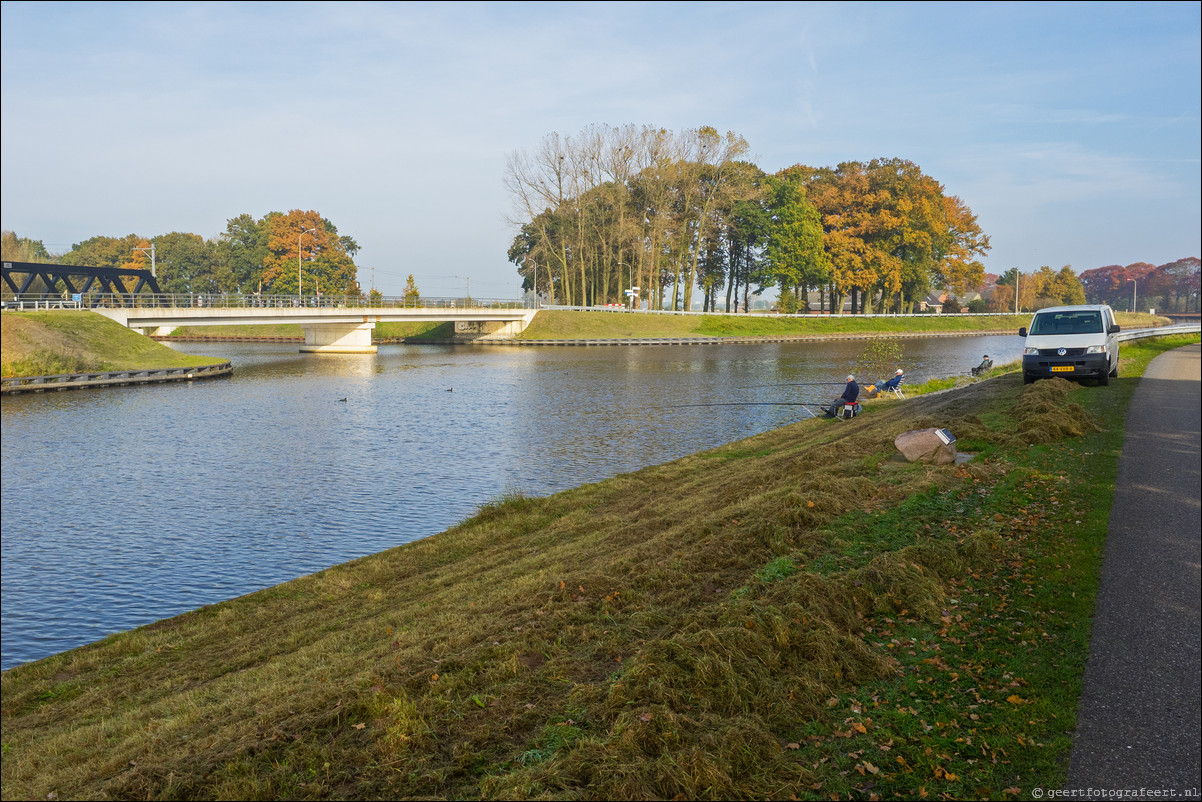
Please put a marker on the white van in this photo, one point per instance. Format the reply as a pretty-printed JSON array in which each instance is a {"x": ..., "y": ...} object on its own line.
[{"x": 1073, "y": 342}]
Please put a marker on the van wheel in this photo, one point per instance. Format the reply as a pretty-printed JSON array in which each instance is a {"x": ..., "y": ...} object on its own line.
[
  {"x": 1028, "y": 379},
  {"x": 1114, "y": 373},
  {"x": 1103, "y": 379}
]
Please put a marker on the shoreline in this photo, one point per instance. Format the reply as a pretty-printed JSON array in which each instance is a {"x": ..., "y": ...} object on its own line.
[
  {"x": 700, "y": 340},
  {"x": 14, "y": 385}
]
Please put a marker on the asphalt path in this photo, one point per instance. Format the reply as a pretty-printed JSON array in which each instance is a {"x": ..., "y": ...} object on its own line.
[{"x": 1139, "y": 725}]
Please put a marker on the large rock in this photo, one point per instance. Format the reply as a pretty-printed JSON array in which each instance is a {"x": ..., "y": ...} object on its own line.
[{"x": 925, "y": 445}]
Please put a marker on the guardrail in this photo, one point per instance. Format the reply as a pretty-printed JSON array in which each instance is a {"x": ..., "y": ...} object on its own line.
[
  {"x": 1161, "y": 331},
  {"x": 147, "y": 300},
  {"x": 22, "y": 304},
  {"x": 78, "y": 381},
  {"x": 617, "y": 308}
]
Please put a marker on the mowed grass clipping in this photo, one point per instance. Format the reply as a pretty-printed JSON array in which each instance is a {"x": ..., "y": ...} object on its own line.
[
  {"x": 800, "y": 614},
  {"x": 69, "y": 341}
]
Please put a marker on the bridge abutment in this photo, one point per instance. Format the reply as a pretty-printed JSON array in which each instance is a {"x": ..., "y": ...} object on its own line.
[
  {"x": 338, "y": 338},
  {"x": 489, "y": 329}
]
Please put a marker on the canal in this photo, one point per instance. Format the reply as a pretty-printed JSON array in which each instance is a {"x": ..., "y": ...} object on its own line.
[{"x": 124, "y": 506}]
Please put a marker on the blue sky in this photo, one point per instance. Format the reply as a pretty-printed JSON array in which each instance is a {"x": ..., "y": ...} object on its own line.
[{"x": 1072, "y": 130}]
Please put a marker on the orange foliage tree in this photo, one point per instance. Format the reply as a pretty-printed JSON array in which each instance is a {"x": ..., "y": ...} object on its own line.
[{"x": 306, "y": 243}]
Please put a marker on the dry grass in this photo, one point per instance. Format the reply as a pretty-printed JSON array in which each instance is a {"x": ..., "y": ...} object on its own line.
[{"x": 667, "y": 633}]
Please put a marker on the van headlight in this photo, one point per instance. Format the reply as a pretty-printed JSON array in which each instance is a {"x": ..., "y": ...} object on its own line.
[
  {"x": 1030, "y": 352},
  {"x": 1096, "y": 349}
]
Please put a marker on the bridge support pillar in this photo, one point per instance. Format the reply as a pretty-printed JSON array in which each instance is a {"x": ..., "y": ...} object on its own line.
[{"x": 338, "y": 338}]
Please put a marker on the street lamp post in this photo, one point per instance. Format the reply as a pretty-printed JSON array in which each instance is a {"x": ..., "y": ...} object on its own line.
[
  {"x": 1134, "y": 286},
  {"x": 299, "y": 286},
  {"x": 153, "y": 272}
]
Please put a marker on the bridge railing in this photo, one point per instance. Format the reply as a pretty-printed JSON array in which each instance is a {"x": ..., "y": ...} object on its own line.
[{"x": 225, "y": 300}]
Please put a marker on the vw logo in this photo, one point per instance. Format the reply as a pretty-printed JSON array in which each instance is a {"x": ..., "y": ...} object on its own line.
[{"x": 1061, "y": 351}]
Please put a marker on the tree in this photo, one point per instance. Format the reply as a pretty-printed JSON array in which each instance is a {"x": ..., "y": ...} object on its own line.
[
  {"x": 22, "y": 249},
  {"x": 185, "y": 263},
  {"x": 880, "y": 357},
  {"x": 1066, "y": 287},
  {"x": 303, "y": 246},
  {"x": 747, "y": 237},
  {"x": 242, "y": 251},
  {"x": 794, "y": 250},
  {"x": 1173, "y": 287},
  {"x": 412, "y": 296}
]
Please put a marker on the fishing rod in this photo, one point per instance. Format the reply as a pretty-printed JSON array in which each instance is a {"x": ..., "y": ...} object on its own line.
[
  {"x": 807, "y": 404},
  {"x": 798, "y": 384}
]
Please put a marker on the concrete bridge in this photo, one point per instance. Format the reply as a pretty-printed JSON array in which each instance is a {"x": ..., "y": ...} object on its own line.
[{"x": 329, "y": 326}]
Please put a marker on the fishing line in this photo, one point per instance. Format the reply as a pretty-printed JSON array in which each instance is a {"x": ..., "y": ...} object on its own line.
[{"x": 747, "y": 404}]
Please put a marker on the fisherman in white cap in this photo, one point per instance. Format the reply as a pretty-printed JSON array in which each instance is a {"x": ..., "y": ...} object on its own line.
[{"x": 890, "y": 384}]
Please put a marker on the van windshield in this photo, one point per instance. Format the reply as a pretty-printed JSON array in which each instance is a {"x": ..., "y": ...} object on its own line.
[{"x": 1084, "y": 322}]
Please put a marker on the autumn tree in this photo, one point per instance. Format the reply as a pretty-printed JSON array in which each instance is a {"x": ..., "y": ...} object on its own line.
[
  {"x": 305, "y": 247},
  {"x": 1173, "y": 287}
]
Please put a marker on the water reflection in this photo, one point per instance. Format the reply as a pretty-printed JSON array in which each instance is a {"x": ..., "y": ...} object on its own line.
[{"x": 125, "y": 506}]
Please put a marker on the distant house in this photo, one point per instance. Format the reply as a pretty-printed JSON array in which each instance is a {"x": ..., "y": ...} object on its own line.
[{"x": 937, "y": 302}]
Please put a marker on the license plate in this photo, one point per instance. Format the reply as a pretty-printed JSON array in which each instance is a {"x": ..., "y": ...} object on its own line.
[{"x": 1062, "y": 369}]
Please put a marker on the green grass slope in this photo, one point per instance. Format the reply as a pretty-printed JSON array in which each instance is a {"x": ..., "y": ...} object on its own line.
[
  {"x": 555, "y": 324},
  {"x": 68, "y": 341}
]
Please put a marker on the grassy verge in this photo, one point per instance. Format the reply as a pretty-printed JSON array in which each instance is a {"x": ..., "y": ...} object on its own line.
[
  {"x": 570, "y": 325},
  {"x": 799, "y": 614},
  {"x": 50, "y": 343},
  {"x": 557, "y": 324}
]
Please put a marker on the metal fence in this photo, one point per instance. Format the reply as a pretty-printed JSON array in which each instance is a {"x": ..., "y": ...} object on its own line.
[{"x": 146, "y": 300}]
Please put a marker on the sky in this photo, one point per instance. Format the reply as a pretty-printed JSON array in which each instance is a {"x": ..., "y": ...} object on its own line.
[{"x": 1071, "y": 130}]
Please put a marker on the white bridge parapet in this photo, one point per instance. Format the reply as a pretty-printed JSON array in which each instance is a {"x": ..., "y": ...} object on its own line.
[{"x": 328, "y": 330}]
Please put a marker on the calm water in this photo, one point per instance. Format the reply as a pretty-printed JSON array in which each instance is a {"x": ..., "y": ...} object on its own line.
[{"x": 124, "y": 506}]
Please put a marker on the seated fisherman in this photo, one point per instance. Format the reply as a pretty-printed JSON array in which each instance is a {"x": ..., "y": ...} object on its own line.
[
  {"x": 891, "y": 384},
  {"x": 850, "y": 393},
  {"x": 985, "y": 365}
]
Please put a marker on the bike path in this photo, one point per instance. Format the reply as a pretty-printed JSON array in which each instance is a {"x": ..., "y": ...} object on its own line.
[{"x": 1139, "y": 725}]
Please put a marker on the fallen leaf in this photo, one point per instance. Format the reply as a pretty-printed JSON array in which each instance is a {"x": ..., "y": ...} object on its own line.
[{"x": 360, "y": 726}]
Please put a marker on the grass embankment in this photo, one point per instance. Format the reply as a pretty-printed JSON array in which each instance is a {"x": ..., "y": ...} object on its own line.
[
  {"x": 560, "y": 325},
  {"x": 67, "y": 341},
  {"x": 796, "y": 614},
  {"x": 554, "y": 324}
]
